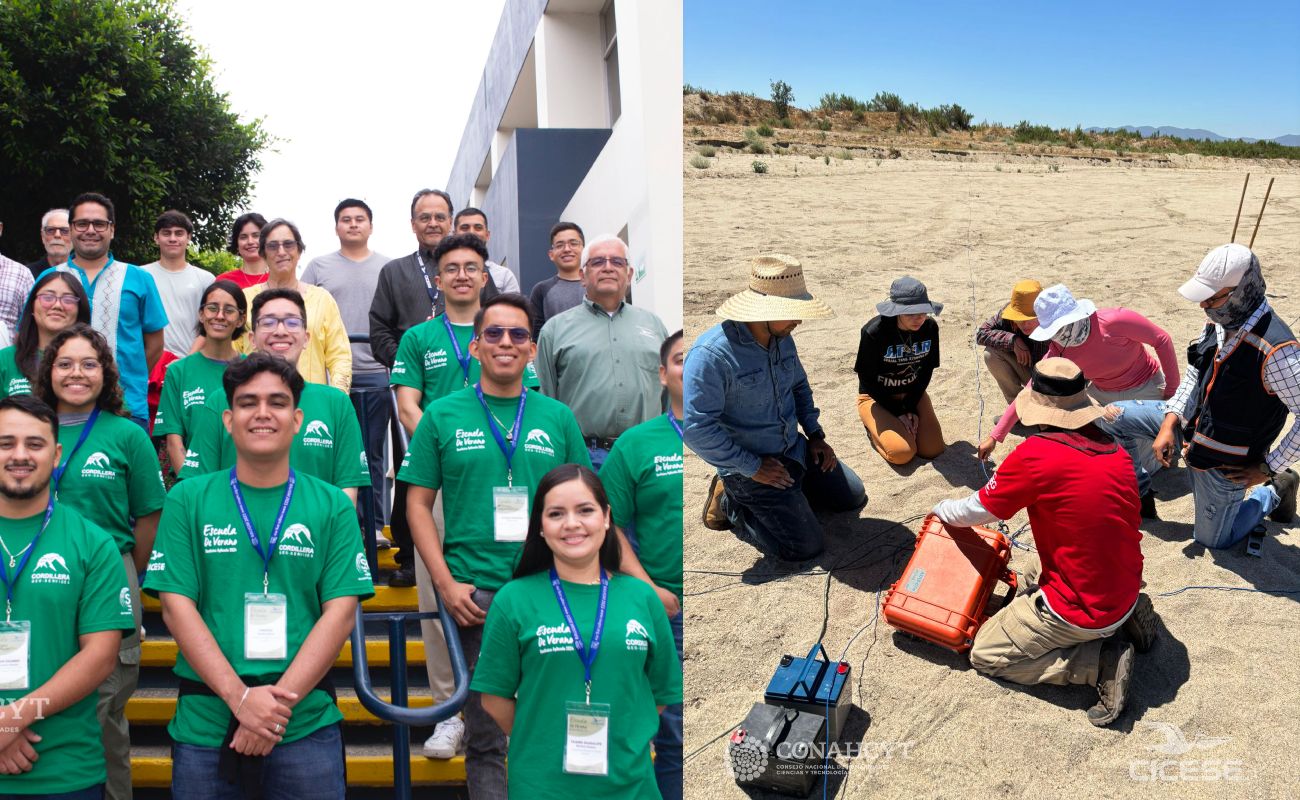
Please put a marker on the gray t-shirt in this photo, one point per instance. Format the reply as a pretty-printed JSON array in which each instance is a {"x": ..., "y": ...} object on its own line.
[
  {"x": 352, "y": 284},
  {"x": 553, "y": 297},
  {"x": 180, "y": 293}
]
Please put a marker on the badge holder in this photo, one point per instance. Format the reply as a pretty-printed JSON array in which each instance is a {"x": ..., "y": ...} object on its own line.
[
  {"x": 265, "y": 626},
  {"x": 15, "y": 654},
  {"x": 586, "y": 741},
  {"x": 509, "y": 513}
]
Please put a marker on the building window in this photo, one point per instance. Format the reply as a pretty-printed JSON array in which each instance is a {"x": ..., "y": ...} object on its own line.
[{"x": 609, "y": 31}]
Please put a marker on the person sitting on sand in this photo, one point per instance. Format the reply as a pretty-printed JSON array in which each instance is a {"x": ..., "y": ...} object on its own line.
[
  {"x": 1083, "y": 615},
  {"x": 746, "y": 395},
  {"x": 1107, "y": 344},
  {"x": 1009, "y": 353},
  {"x": 897, "y": 355}
]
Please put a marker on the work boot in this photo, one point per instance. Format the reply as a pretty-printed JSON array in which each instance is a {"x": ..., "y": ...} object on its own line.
[
  {"x": 1148, "y": 509},
  {"x": 1140, "y": 627},
  {"x": 1284, "y": 483},
  {"x": 1113, "y": 676},
  {"x": 713, "y": 517}
]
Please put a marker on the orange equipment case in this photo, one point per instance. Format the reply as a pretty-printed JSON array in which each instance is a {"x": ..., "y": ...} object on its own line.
[{"x": 944, "y": 592}]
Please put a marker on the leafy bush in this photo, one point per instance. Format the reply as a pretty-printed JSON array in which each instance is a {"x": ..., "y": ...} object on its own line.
[
  {"x": 1025, "y": 132},
  {"x": 885, "y": 101},
  {"x": 841, "y": 102},
  {"x": 699, "y": 162},
  {"x": 759, "y": 167},
  {"x": 826, "y": 160},
  {"x": 823, "y": 124},
  {"x": 765, "y": 130},
  {"x": 708, "y": 151},
  {"x": 844, "y": 154},
  {"x": 757, "y": 148},
  {"x": 724, "y": 116},
  {"x": 782, "y": 98}
]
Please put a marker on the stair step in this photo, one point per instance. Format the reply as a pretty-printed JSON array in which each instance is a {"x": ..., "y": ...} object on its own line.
[
  {"x": 158, "y": 706},
  {"x": 386, "y": 599},
  {"x": 162, "y": 653},
  {"x": 369, "y": 765}
]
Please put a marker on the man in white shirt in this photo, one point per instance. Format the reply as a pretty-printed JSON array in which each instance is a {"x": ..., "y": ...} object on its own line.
[{"x": 180, "y": 284}]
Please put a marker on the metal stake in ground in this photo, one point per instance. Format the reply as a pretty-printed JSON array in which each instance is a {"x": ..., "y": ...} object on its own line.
[
  {"x": 1240, "y": 203},
  {"x": 1267, "y": 192}
]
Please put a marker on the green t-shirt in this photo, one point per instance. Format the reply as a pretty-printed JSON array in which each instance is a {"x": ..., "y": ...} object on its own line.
[
  {"x": 643, "y": 478},
  {"x": 328, "y": 444},
  {"x": 191, "y": 382},
  {"x": 73, "y": 584},
  {"x": 454, "y": 450},
  {"x": 426, "y": 360},
  {"x": 12, "y": 379},
  {"x": 113, "y": 477},
  {"x": 203, "y": 553},
  {"x": 528, "y": 654}
]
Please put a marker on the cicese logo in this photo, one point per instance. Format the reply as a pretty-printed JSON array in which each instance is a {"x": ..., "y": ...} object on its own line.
[{"x": 1171, "y": 768}]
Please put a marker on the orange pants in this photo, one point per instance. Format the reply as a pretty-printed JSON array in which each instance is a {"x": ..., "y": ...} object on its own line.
[{"x": 890, "y": 437}]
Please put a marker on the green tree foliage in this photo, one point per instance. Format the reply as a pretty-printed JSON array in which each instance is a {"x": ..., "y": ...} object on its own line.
[
  {"x": 114, "y": 97},
  {"x": 782, "y": 98}
]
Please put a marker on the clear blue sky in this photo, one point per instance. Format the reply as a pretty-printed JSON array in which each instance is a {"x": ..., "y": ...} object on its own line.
[{"x": 1233, "y": 68}]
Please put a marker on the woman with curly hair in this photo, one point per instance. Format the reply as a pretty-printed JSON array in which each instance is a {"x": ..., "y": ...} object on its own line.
[
  {"x": 55, "y": 302},
  {"x": 108, "y": 473}
]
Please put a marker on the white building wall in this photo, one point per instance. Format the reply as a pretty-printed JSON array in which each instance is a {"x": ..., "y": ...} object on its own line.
[{"x": 570, "y": 72}]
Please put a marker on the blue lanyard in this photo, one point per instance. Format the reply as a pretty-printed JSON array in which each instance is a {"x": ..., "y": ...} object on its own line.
[
  {"x": 513, "y": 437},
  {"x": 27, "y": 555},
  {"x": 676, "y": 425},
  {"x": 252, "y": 533},
  {"x": 85, "y": 432},
  {"x": 587, "y": 654},
  {"x": 428, "y": 284},
  {"x": 462, "y": 358}
]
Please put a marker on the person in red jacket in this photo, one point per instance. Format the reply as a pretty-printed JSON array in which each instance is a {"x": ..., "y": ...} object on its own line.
[{"x": 1083, "y": 616}]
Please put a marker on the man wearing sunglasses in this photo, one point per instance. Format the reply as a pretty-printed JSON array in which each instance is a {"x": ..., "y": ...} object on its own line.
[
  {"x": 601, "y": 358},
  {"x": 484, "y": 448},
  {"x": 15, "y": 283},
  {"x": 1242, "y": 379},
  {"x": 56, "y": 237}
]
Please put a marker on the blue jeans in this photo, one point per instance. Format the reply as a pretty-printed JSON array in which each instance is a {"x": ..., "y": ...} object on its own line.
[
  {"x": 781, "y": 521},
  {"x": 1135, "y": 429},
  {"x": 668, "y": 741},
  {"x": 598, "y": 456},
  {"x": 95, "y": 792},
  {"x": 374, "y": 430},
  {"x": 485, "y": 742},
  {"x": 1225, "y": 514},
  {"x": 308, "y": 769}
]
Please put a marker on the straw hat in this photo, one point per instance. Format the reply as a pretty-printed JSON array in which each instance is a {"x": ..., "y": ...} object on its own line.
[
  {"x": 776, "y": 292},
  {"x": 1056, "y": 308},
  {"x": 1057, "y": 395},
  {"x": 1021, "y": 307}
]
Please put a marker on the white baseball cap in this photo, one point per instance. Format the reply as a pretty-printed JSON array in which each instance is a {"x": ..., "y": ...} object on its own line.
[{"x": 1223, "y": 267}]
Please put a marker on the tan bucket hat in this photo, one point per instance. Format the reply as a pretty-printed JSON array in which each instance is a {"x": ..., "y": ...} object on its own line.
[
  {"x": 1057, "y": 395},
  {"x": 1021, "y": 307},
  {"x": 776, "y": 292}
]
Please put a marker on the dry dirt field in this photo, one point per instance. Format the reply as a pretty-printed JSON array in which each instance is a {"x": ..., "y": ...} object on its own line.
[{"x": 1226, "y": 669}]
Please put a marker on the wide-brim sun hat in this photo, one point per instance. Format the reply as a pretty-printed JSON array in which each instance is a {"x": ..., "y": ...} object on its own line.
[
  {"x": 1056, "y": 308},
  {"x": 1057, "y": 395},
  {"x": 907, "y": 295},
  {"x": 1021, "y": 307},
  {"x": 777, "y": 291}
]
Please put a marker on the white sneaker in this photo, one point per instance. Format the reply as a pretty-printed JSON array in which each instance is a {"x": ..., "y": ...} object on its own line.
[{"x": 446, "y": 739}]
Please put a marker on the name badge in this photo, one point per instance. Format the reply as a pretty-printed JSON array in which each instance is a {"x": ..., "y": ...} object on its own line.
[
  {"x": 266, "y": 619},
  {"x": 510, "y": 513},
  {"x": 586, "y": 743},
  {"x": 15, "y": 654}
]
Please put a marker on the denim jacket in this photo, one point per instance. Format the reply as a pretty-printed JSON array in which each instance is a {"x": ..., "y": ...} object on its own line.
[{"x": 742, "y": 400}]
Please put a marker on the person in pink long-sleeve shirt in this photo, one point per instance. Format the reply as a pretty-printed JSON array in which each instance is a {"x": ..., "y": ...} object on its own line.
[{"x": 1107, "y": 345}]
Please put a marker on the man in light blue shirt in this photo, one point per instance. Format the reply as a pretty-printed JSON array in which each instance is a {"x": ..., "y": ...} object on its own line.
[{"x": 746, "y": 397}]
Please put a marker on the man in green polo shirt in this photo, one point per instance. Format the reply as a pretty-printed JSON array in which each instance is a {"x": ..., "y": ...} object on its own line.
[
  {"x": 329, "y": 444},
  {"x": 601, "y": 358},
  {"x": 259, "y": 570},
  {"x": 486, "y": 446},
  {"x": 67, "y": 607}
]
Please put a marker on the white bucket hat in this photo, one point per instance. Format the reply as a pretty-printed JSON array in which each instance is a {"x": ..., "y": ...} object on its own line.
[
  {"x": 1056, "y": 308},
  {"x": 776, "y": 292}
]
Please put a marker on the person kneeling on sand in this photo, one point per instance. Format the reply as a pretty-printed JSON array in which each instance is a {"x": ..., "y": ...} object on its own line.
[
  {"x": 897, "y": 355},
  {"x": 1009, "y": 353},
  {"x": 746, "y": 395},
  {"x": 1083, "y": 615}
]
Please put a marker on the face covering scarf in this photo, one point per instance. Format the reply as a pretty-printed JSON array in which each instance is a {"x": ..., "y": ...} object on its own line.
[
  {"x": 1242, "y": 302},
  {"x": 1074, "y": 334}
]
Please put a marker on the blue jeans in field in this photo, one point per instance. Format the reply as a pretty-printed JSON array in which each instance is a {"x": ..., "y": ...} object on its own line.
[
  {"x": 309, "y": 769},
  {"x": 1138, "y": 424},
  {"x": 668, "y": 741},
  {"x": 1225, "y": 513},
  {"x": 781, "y": 522}
]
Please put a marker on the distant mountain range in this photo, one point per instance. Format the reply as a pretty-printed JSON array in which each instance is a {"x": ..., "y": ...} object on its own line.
[{"x": 1290, "y": 140}]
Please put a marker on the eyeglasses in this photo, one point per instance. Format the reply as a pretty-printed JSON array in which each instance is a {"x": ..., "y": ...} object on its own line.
[
  {"x": 568, "y": 244},
  {"x": 291, "y": 324},
  {"x": 52, "y": 230},
  {"x": 212, "y": 309},
  {"x": 1218, "y": 298},
  {"x": 86, "y": 364},
  {"x": 425, "y": 219},
  {"x": 288, "y": 246},
  {"x": 492, "y": 334},
  {"x": 100, "y": 225},
  {"x": 48, "y": 299},
  {"x": 470, "y": 270},
  {"x": 600, "y": 261}
]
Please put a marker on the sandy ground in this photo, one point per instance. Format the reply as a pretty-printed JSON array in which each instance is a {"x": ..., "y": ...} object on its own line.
[{"x": 1227, "y": 665}]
